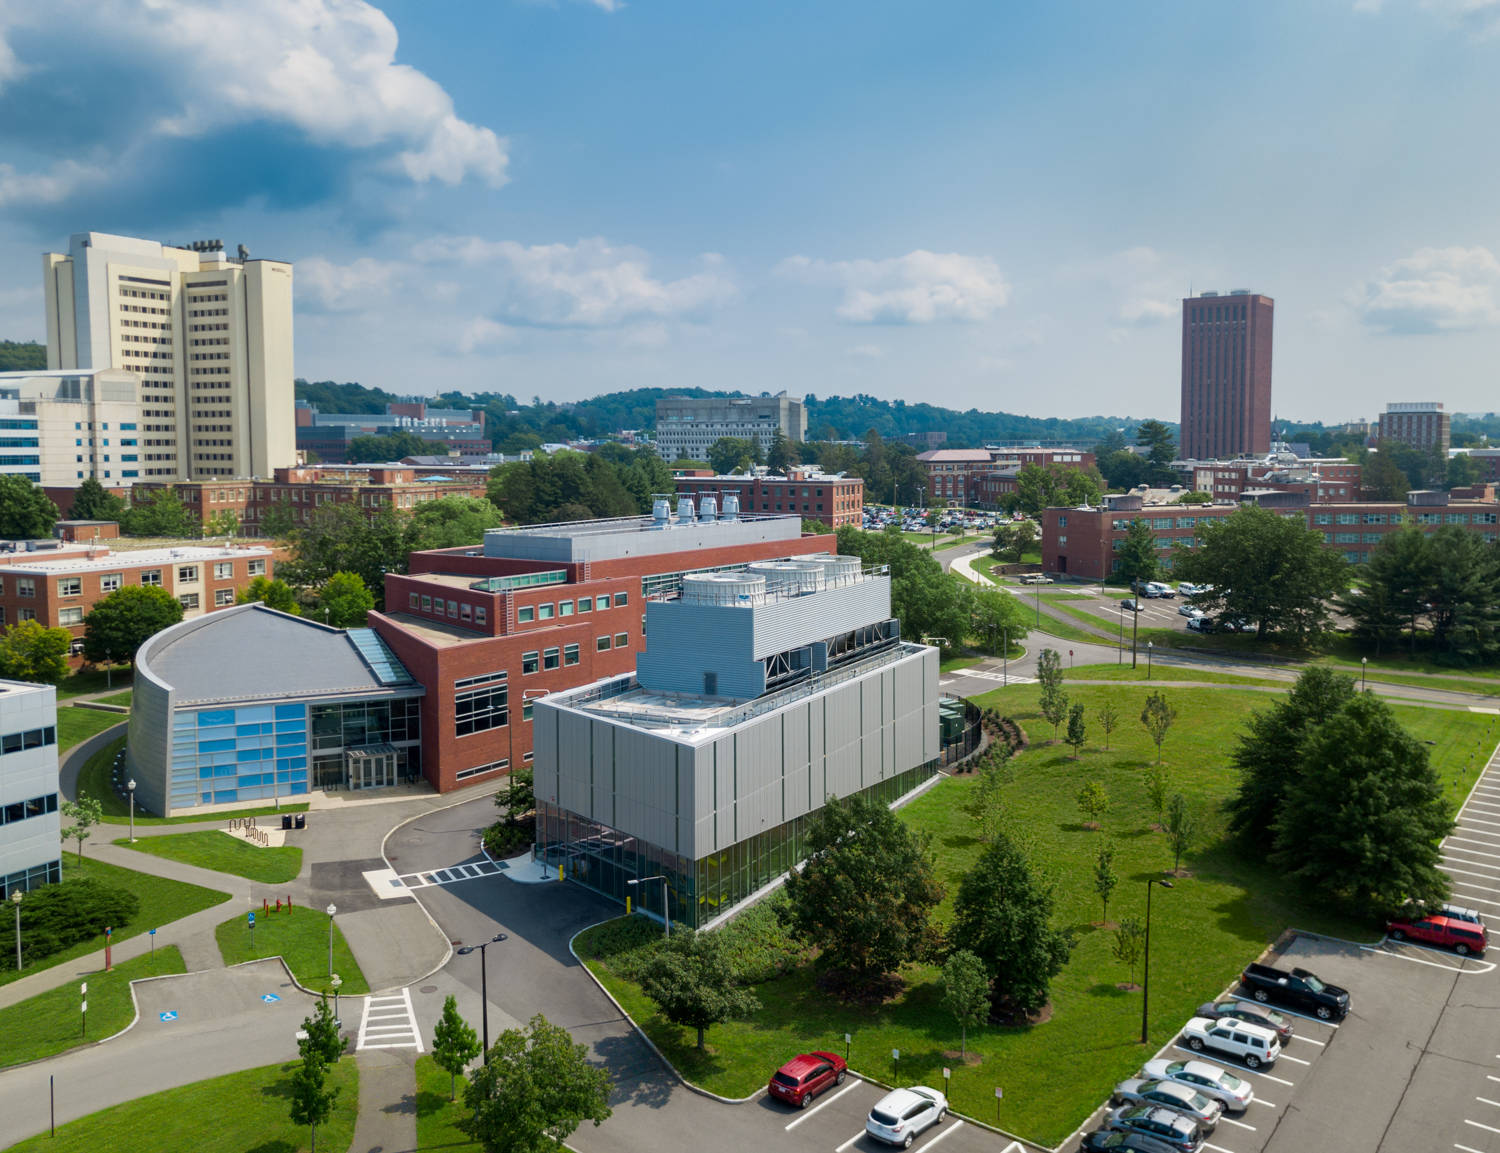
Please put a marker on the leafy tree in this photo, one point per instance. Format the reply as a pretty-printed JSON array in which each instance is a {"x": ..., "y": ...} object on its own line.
[
  {"x": 1265, "y": 568},
  {"x": 31, "y": 652},
  {"x": 966, "y": 994},
  {"x": 1462, "y": 471},
  {"x": 312, "y": 1100},
  {"x": 322, "y": 1042},
  {"x": 1268, "y": 753},
  {"x": 782, "y": 454},
  {"x": 1054, "y": 705},
  {"x": 1157, "y": 716},
  {"x": 927, "y": 601},
  {"x": 452, "y": 522},
  {"x": 816, "y": 527},
  {"x": 730, "y": 454},
  {"x": 1093, "y": 801},
  {"x": 1002, "y": 914},
  {"x": 1049, "y": 673},
  {"x": 518, "y": 797},
  {"x": 25, "y": 511},
  {"x": 1105, "y": 877},
  {"x": 1137, "y": 557},
  {"x": 84, "y": 813},
  {"x": 277, "y": 520},
  {"x": 161, "y": 513},
  {"x": 1365, "y": 820},
  {"x": 536, "y": 1089},
  {"x": 22, "y": 355},
  {"x": 1109, "y": 719},
  {"x": 1013, "y": 539},
  {"x": 1130, "y": 941},
  {"x": 344, "y": 600},
  {"x": 225, "y": 522},
  {"x": 1158, "y": 781},
  {"x": 59, "y": 916},
  {"x": 1077, "y": 731},
  {"x": 1463, "y": 594},
  {"x": 1038, "y": 487},
  {"x": 1123, "y": 469},
  {"x": 1083, "y": 487},
  {"x": 1180, "y": 830},
  {"x": 341, "y": 538},
  {"x": 123, "y": 621},
  {"x": 1161, "y": 447},
  {"x": 1381, "y": 478},
  {"x": 987, "y": 799},
  {"x": 380, "y": 449},
  {"x": 91, "y": 502},
  {"x": 998, "y": 617},
  {"x": 693, "y": 981},
  {"x": 273, "y": 593},
  {"x": 866, "y": 891},
  {"x": 454, "y": 1044}
]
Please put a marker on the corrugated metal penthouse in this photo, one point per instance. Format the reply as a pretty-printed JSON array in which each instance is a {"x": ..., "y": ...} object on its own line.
[{"x": 762, "y": 693}]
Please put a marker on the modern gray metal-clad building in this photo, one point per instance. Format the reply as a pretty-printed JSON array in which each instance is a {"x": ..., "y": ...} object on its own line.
[
  {"x": 762, "y": 693},
  {"x": 29, "y": 821}
]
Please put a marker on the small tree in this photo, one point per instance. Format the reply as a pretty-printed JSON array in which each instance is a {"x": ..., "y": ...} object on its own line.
[
  {"x": 1077, "y": 731},
  {"x": 29, "y": 651},
  {"x": 312, "y": 1100},
  {"x": 85, "y": 813},
  {"x": 1049, "y": 669},
  {"x": 1180, "y": 828},
  {"x": 454, "y": 1044},
  {"x": 120, "y": 623},
  {"x": 694, "y": 983},
  {"x": 1105, "y": 877},
  {"x": 1054, "y": 707},
  {"x": 322, "y": 1041},
  {"x": 987, "y": 801},
  {"x": 344, "y": 600},
  {"x": 966, "y": 994},
  {"x": 1158, "y": 716},
  {"x": 1158, "y": 782},
  {"x": 1109, "y": 718},
  {"x": 1130, "y": 940},
  {"x": 1093, "y": 801},
  {"x": 520, "y": 794},
  {"x": 274, "y": 594}
]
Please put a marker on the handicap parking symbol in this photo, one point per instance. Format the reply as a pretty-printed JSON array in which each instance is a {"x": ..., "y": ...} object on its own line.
[
  {"x": 269, "y": 997},
  {"x": 169, "y": 1015}
]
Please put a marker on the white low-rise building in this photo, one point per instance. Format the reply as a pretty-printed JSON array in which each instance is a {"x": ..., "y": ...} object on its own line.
[{"x": 30, "y": 849}]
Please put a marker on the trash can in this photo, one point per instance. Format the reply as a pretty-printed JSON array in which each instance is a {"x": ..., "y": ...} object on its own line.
[
  {"x": 286, "y": 820},
  {"x": 301, "y": 820}
]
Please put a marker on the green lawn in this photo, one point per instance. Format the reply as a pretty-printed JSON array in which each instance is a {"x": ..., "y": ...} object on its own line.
[
  {"x": 300, "y": 938},
  {"x": 211, "y": 849},
  {"x": 93, "y": 681},
  {"x": 94, "y": 779},
  {"x": 242, "y": 1113},
  {"x": 49, "y": 1023},
  {"x": 1204, "y": 930},
  {"x": 436, "y": 1116},
  {"x": 75, "y": 725},
  {"x": 117, "y": 698},
  {"x": 1161, "y": 672},
  {"x": 1065, "y": 630},
  {"x": 161, "y": 902}
]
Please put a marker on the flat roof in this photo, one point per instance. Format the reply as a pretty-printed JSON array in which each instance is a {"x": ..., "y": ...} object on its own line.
[
  {"x": 618, "y": 537},
  {"x": 74, "y": 563},
  {"x": 434, "y": 632}
]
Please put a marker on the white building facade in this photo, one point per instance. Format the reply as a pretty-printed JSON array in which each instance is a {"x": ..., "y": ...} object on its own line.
[
  {"x": 59, "y": 428},
  {"x": 687, "y": 426},
  {"x": 30, "y": 849}
]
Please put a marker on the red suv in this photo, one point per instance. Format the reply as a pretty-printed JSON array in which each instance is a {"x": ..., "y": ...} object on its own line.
[
  {"x": 803, "y": 1078},
  {"x": 1463, "y": 937}
]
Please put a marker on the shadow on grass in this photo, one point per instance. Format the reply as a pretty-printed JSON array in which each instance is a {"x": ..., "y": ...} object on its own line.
[
  {"x": 273, "y": 1147},
  {"x": 281, "y": 1088},
  {"x": 429, "y": 1104},
  {"x": 1107, "y": 989}
]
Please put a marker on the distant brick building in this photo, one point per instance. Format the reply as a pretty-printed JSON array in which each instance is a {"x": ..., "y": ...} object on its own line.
[
  {"x": 836, "y": 500},
  {"x": 1325, "y": 480},
  {"x": 1419, "y": 424},
  {"x": 1226, "y": 375},
  {"x": 981, "y": 477}
]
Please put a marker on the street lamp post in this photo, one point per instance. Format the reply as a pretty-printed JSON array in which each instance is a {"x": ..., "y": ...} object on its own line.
[
  {"x": 1363, "y": 666},
  {"x": 1149, "y": 646},
  {"x": 336, "y": 983},
  {"x": 1038, "y": 606},
  {"x": 484, "y": 986},
  {"x": 130, "y": 788},
  {"x": 1005, "y": 640},
  {"x": 332, "y": 909},
  {"x": 666, "y": 913},
  {"x": 1146, "y": 964},
  {"x": 15, "y": 899},
  {"x": 1120, "y": 648}
]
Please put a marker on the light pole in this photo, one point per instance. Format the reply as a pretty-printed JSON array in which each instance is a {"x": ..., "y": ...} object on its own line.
[
  {"x": 130, "y": 788},
  {"x": 1005, "y": 639},
  {"x": 1363, "y": 666},
  {"x": 15, "y": 899},
  {"x": 332, "y": 909},
  {"x": 336, "y": 983},
  {"x": 1038, "y": 606},
  {"x": 666, "y": 913},
  {"x": 1149, "y": 646},
  {"x": 1120, "y": 649},
  {"x": 484, "y": 987},
  {"x": 1146, "y": 965},
  {"x": 1135, "y": 617}
]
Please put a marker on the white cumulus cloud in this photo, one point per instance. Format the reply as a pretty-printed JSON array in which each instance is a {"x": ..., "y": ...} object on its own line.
[
  {"x": 47, "y": 187},
  {"x": 1434, "y": 290},
  {"x": 918, "y": 288},
  {"x": 322, "y": 284}
]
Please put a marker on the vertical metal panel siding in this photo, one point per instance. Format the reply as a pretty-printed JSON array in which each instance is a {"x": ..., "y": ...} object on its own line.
[
  {"x": 688, "y": 640},
  {"x": 723, "y": 773},
  {"x": 574, "y": 765},
  {"x": 817, "y": 752},
  {"x": 796, "y": 785},
  {"x": 789, "y": 623},
  {"x": 759, "y": 767},
  {"x": 871, "y": 723},
  {"x": 602, "y": 757},
  {"x": 888, "y": 725},
  {"x": 843, "y": 739},
  {"x": 544, "y": 748}
]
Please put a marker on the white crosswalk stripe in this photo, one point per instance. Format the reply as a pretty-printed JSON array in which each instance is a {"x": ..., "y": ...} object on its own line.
[
  {"x": 389, "y": 1023},
  {"x": 470, "y": 871}
]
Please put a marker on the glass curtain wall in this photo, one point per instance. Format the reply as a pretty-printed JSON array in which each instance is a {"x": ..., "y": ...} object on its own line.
[{"x": 343, "y": 725}]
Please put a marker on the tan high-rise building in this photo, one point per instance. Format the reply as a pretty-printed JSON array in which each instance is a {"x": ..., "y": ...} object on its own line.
[{"x": 210, "y": 337}]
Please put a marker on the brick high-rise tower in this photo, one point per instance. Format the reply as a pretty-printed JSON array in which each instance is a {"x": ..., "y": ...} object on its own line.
[{"x": 1226, "y": 375}]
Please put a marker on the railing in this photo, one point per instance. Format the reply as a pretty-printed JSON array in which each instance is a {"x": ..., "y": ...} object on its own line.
[{"x": 973, "y": 734}]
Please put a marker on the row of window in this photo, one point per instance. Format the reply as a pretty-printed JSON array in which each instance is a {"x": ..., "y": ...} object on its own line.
[
  {"x": 525, "y": 614},
  {"x": 18, "y": 811},
  {"x": 28, "y": 739},
  {"x": 548, "y": 659},
  {"x": 455, "y": 610}
]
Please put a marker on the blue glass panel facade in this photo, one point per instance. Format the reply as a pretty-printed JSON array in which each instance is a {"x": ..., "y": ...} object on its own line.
[{"x": 226, "y": 755}]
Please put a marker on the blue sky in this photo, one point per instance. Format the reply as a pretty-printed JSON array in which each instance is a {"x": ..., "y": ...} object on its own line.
[{"x": 978, "y": 204}]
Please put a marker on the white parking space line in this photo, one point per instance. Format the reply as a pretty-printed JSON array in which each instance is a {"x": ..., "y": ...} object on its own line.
[
  {"x": 1481, "y": 888},
  {"x": 1014, "y": 1145},
  {"x": 954, "y": 1124},
  {"x": 1260, "y": 1101},
  {"x": 1462, "y": 820},
  {"x": 1477, "y": 1125},
  {"x": 1465, "y": 1148},
  {"x": 1455, "y": 843},
  {"x": 1487, "y": 1101},
  {"x": 1299, "y": 1060},
  {"x": 1217, "y": 1148},
  {"x": 1241, "y": 1124},
  {"x": 1482, "y": 876},
  {"x": 1309, "y": 1040},
  {"x": 860, "y": 1134},
  {"x": 1290, "y": 1012},
  {"x": 806, "y": 1113},
  {"x": 1460, "y": 968}
]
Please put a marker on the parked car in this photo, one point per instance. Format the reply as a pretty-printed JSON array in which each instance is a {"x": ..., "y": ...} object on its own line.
[
  {"x": 1416, "y": 910},
  {"x": 1157, "y": 589},
  {"x": 1176, "y": 1132},
  {"x": 1235, "y": 1092},
  {"x": 803, "y": 1078},
  {"x": 1463, "y": 937},
  {"x": 1118, "y": 1141},
  {"x": 1253, "y": 1012},
  {"x": 1189, "y": 611},
  {"x": 1188, "y": 590},
  {"x": 1170, "y": 1095},
  {"x": 1298, "y": 989},
  {"x": 1200, "y": 624},
  {"x": 1250, "y": 1043},
  {"x": 1130, "y": 604},
  {"x": 903, "y": 1114}
]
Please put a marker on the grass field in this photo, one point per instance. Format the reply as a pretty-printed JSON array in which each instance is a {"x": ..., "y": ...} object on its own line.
[
  {"x": 117, "y": 698},
  {"x": 436, "y": 1116},
  {"x": 197, "y": 1117},
  {"x": 1214, "y": 920},
  {"x": 211, "y": 849},
  {"x": 50, "y": 1022},
  {"x": 93, "y": 779},
  {"x": 1167, "y": 673},
  {"x": 300, "y": 938},
  {"x": 75, "y": 725},
  {"x": 94, "y": 681},
  {"x": 161, "y": 902}
]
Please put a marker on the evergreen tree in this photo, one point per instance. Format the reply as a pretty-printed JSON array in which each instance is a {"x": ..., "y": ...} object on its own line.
[
  {"x": 91, "y": 502},
  {"x": 454, "y": 1044},
  {"x": 1077, "y": 731}
]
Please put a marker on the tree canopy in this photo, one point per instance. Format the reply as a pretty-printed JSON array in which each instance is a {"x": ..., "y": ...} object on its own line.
[
  {"x": 615, "y": 481},
  {"x": 25, "y": 511},
  {"x": 275, "y": 594},
  {"x": 344, "y": 601},
  {"x": 380, "y": 449},
  {"x": 452, "y": 522},
  {"x": 91, "y": 502},
  {"x": 343, "y": 538},
  {"x": 29, "y": 651},
  {"x": 124, "y": 620},
  {"x": 928, "y": 601},
  {"x": 160, "y": 513},
  {"x": 693, "y": 981}
]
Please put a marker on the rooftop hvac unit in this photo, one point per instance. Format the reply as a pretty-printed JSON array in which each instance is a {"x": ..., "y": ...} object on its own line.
[
  {"x": 708, "y": 508},
  {"x": 837, "y": 570},
  {"x": 731, "y": 506},
  {"x": 789, "y": 577},
  {"x": 723, "y": 588},
  {"x": 685, "y": 513},
  {"x": 661, "y": 513}
]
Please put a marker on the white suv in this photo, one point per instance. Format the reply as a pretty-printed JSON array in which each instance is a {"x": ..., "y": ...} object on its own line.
[{"x": 1252, "y": 1044}]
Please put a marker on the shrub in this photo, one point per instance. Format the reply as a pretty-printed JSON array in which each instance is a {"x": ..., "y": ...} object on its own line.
[
  {"x": 758, "y": 944},
  {"x": 624, "y": 944},
  {"x": 504, "y": 839},
  {"x": 56, "y": 917}
]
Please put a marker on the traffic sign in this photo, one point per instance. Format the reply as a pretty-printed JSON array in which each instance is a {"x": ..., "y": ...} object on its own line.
[
  {"x": 251, "y": 915},
  {"x": 269, "y": 997},
  {"x": 169, "y": 1015}
]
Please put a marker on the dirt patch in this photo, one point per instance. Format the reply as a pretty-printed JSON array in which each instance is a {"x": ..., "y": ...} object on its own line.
[
  {"x": 1128, "y": 987},
  {"x": 964, "y": 1059},
  {"x": 870, "y": 994},
  {"x": 1010, "y": 1015}
]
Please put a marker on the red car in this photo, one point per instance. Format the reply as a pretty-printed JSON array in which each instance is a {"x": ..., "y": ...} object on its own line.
[
  {"x": 803, "y": 1078},
  {"x": 1463, "y": 937}
]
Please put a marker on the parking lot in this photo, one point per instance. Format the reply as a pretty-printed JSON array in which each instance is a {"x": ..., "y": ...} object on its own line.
[{"x": 835, "y": 1123}]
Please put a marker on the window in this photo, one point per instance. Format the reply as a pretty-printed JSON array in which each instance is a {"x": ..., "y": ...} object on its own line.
[
  {"x": 1062, "y": 522},
  {"x": 26, "y": 614},
  {"x": 621, "y": 599},
  {"x": 564, "y": 608},
  {"x": 585, "y": 604},
  {"x": 187, "y": 573},
  {"x": 526, "y": 710},
  {"x": 530, "y": 662},
  {"x": 453, "y": 609},
  {"x": 544, "y": 612},
  {"x": 224, "y": 570},
  {"x": 601, "y": 644},
  {"x": 477, "y": 770},
  {"x": 25, "y": 587},
  {"x": 258, "y": 568},
  {"x": 70, "y": 616},
  {"x": 465, "y": 612},
  {"x": 550, "y": 659},
  {"x": 151, "y": 578},
  {"x": 70, "y": 587},
  {"x": 480, "y": 613},
  {"x": 188, "y": 600},
  {"x": 621, "y": 640},
  {"x": 111, "y": 581},
  {"x": 570, "y": 654},
  {"x": 525, "y": 614},
  {"x": 223, "y": 597},
  {"x": 480, "y": 703},
  {"x": 412, "y": 600}
]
